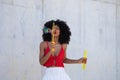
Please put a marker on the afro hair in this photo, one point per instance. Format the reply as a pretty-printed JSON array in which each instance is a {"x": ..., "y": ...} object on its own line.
[{"x": 65, "y": 32}]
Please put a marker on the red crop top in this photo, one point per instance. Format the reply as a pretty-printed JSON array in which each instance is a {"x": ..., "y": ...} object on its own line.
[{"x": 54, "y": 60}]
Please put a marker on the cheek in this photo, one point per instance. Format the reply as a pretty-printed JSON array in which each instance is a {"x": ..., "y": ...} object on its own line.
[{"x": 58, "y": 32}]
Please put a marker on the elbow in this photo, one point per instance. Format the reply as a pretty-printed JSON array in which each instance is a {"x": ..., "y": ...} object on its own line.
[
  {"x": 41, "y": 63},
  {"x": 64, "y": 61}
]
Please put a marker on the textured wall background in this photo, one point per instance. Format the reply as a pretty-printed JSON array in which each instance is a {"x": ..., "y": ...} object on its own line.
[
  {"x": 118, "y": 42},
  {"x": 20, "y": 29},
  {"x": 95, "y": 25}
]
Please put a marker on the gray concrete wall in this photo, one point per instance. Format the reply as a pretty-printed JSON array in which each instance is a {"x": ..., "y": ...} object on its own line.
[
  {"x": 20, "y": 29},
  {"x": 95, "y": 26},
  {"x": 118, "y": 42}
]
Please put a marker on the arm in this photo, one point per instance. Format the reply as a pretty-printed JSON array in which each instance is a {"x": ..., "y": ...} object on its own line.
[
  {"x": 71, "y": 61},
  {"x": 42, "y": 58}
]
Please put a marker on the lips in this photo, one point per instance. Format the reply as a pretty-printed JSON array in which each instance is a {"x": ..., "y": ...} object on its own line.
[{"x": 54, "y": 32}]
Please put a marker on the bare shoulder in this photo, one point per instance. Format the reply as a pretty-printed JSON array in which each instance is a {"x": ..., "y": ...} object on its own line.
[
  {"x": 42, "y": 44},
  {"x": 64, "y": 46}
]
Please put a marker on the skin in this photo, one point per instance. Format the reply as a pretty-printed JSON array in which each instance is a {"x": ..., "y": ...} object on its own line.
[{"x": 57, "y": 47}]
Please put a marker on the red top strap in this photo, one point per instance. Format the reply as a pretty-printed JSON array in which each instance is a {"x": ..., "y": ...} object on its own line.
[{"x": 47, "y": 44}]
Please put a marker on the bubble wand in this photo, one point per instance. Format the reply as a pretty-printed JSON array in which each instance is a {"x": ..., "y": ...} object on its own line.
[
  {"x": 52, "y": 31},
  {"x": 85, "y": 60},
  {"x": 53, "y": 41},
  {"x": 48, "y": 30}
]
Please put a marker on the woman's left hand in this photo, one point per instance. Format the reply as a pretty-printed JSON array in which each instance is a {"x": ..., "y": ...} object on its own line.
[{"x": 82, "y": 60}]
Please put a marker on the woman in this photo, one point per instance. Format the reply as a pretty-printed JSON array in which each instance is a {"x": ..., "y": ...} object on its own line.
[{"x": 53, "y": 55}]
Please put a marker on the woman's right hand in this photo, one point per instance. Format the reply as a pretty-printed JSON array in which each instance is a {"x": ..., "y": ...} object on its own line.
[{"x": 52, "y": 48}]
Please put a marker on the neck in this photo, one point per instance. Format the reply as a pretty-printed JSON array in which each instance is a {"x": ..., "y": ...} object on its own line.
[{"x": 56, "y": 39}]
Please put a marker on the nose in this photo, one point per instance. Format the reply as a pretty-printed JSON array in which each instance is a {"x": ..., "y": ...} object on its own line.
[{"x": 55, "y": 32}]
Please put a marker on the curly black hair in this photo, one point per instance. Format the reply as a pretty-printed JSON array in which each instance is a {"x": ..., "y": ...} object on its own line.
[{"x": 65, "y": 32}]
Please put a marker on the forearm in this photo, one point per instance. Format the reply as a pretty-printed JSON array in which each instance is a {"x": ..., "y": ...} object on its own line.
[
  {"x": 70, "y": 61},
  {"x": 44, "y": 59}
]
